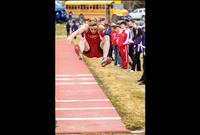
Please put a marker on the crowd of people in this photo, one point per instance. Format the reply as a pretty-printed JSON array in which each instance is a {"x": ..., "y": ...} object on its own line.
[{"x": 122, "y": 42}]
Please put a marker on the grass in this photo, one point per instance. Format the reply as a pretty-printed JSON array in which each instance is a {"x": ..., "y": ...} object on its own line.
[
  {"x": 60, "y": 30},
  {"x": 121, "y": 88}
]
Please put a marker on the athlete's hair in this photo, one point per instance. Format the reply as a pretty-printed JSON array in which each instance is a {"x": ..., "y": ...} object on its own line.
[
  {"x": 92, "y": 23},
  {"x": 93, "y": 19}
]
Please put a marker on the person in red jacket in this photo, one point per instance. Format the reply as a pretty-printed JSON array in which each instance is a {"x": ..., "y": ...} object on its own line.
[
  {"x": 123, "y": 42},
  {"x": 92, "y": 43},
  {"x": 114, "y": 37}
]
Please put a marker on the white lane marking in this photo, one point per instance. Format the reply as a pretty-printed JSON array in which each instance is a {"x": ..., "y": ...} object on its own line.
[
  {"x": 75, "y": 79},
  {"x": 135, "y": 132},
  {"x": 94, "y": 118},
  {"x": 93, "y": 108},
  {"x": 59, "y": 75},
  {"x": 91, "y": 100},
  {"x": 68, "y": 89},
  {"x": 76, "y": 83}
]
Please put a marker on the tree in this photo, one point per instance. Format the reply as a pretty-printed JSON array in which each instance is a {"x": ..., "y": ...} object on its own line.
[{"x": 131, "y": 5}]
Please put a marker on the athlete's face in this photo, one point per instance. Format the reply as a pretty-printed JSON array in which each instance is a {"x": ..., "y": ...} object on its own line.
[{"x": 93, "y": 29}]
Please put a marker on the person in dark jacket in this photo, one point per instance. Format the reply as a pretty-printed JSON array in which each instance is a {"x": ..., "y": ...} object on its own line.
[
  {"x": 142, "y": 80},
  {"x": 58, "y": 17},
  {"x": 132, "y": 27},
  {"x": 68, "y": 28},
  {"x": 74, "y": 26},
  {"x": 138, "y": 49}
]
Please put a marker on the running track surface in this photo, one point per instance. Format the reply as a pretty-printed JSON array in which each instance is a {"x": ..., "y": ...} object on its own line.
[{"x": 81, "y": 105}]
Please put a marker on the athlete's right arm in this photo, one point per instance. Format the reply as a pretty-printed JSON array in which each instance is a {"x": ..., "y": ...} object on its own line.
[{"x": 83, "y": 28}]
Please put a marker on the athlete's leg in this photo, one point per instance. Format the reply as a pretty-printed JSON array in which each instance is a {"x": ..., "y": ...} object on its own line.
[
  {"x": 105, "y": 45},
  {"x": 82, "y": 46}
]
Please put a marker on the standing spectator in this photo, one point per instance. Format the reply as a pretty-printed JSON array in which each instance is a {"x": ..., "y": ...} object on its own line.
[
  {"x": 58, "y": 17},
  {"x": 70, "y": 16},
  {"x": 143, "y": 78},
  {"x": 68, "y": 28},
  {"x": 74, "y": 26},
  {"x": 114, "y": 36},
  {"x": 80, "y": 21},
  {"x": 123, "y": 42},
  {"x": 132, "y": 27},
  {"x": 63, "y": 16},
  {"x": 138, "y": 49},
  {"x": 130, "y": 41}
]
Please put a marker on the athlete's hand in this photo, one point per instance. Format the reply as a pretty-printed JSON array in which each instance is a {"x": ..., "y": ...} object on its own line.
[{"x": 101, "y": 28}]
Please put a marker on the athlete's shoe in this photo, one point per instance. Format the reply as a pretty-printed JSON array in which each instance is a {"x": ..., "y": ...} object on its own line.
[
  {"x": 106, "y": 61},
  {"x": 78, "y": 52}
]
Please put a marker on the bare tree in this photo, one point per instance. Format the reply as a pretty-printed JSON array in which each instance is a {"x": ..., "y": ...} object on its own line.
[{"x": 131, "y": 5}]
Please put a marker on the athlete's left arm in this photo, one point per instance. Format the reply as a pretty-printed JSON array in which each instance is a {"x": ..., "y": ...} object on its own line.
[
  {"x": 83, "y": 28},
  {"x": 101, "y": 28}
]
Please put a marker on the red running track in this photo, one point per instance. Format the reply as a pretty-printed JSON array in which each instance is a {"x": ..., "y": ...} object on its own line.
[{"x": 81, "y": 105}]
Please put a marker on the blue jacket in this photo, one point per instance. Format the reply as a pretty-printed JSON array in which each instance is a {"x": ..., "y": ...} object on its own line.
[
  {"x": 58, "y": 16},
  {"x": 108, "y": 31}
]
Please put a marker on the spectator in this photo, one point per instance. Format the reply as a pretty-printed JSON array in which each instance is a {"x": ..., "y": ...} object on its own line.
[
  {"x": 132, "y": 27},
  {"x": 58, "y": 17},
  {"x": 68, "y": 28},
  {"x": 114, "y": 36},
  {"x": 123, "y": 42},
  {"x": 74, "y": 26},
  {"x": 63, "y": 16},
  {"x": 70, "y": 16},
  {"x": 138, "y": 49},
  {"x": 142, "y": 80}
]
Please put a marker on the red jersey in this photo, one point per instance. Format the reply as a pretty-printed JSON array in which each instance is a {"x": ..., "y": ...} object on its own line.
[
  {"x": 122, "y": 38},
  {"x": 114, "y": 36},
  {"x": 94, "y": 41}
]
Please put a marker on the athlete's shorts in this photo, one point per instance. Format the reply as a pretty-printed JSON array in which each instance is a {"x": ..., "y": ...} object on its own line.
[{"x": 95, "y": 51}]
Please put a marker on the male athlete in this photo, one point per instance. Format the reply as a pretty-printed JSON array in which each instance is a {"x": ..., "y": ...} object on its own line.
[{"x": 93, "y": 42}]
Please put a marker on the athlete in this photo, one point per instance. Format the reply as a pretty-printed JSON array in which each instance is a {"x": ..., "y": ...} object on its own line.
[{"x": 93, "y": 42}]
